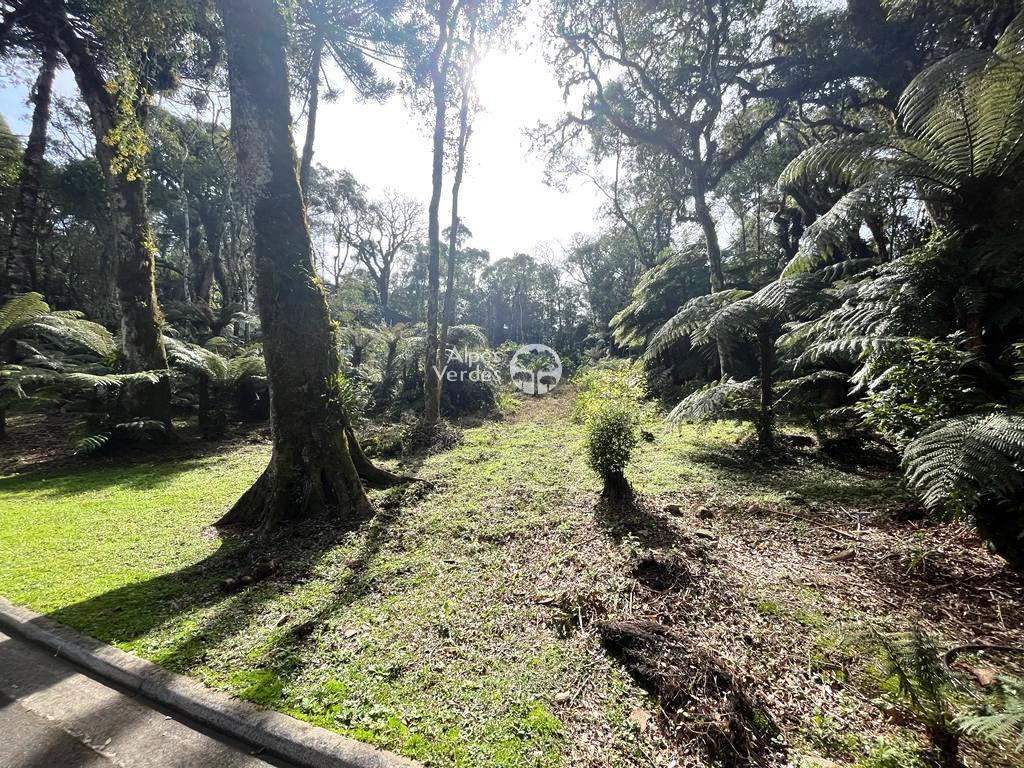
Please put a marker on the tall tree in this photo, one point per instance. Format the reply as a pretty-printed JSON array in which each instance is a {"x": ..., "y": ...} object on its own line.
[
  {"x": 446, "y": 17},
  {"x": 351, "y": 34},
  {"x": 117, "y": 69},
  {"x": 316, "y": 462},
  {"x": 467, "y": 66},
  {"x": 379, "y": 232},
  {"x": 22, "y": 253}
]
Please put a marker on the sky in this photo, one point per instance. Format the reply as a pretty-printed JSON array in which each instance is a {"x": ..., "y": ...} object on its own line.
[{"x": 504, "y": 200}]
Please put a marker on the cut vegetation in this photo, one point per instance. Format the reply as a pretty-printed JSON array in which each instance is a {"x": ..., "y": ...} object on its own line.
[{"x": 504, "y": 615}]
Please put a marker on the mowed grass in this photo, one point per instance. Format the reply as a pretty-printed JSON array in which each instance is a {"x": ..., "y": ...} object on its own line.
[{"x": 430, "y": 629}]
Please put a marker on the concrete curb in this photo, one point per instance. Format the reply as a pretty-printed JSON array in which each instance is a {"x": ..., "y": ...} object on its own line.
[{"x": 278, "y": 735}]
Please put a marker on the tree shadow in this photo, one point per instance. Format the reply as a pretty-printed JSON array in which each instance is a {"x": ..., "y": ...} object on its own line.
[{"x": 282, "y": 562}]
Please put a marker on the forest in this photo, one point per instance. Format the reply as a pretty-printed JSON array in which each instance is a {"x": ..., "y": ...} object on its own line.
[{"x": 730, "y": 472}]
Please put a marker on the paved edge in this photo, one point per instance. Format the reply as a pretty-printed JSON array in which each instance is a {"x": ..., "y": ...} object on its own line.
[{"x": 278, "y": 735}]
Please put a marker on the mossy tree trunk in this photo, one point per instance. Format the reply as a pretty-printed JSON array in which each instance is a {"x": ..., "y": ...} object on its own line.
[
  {"x": 22, "y": 256},
  {"x": 313, "y": 96},
  {"x": 142, "y": 347},
  {"x": 311, "y": 470}
]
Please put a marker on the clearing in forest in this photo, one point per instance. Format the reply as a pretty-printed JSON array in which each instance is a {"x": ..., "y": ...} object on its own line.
[{"x": 471, "y": 622}]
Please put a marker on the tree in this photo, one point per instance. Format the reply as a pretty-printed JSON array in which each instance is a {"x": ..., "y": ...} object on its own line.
[
  {"x": 313, "y": 466},
  {"x": 22, "y": 254},
  {"x": 445, "y": 17},
  {"x": 674, "y": 78},
  {"x": 466, "y": 68},
  {"x": 352, "y": 34},
  {"x": 379, "y": 231},
  {"x": 116, "y": 75},
  {"x": 677, "y": 90}
]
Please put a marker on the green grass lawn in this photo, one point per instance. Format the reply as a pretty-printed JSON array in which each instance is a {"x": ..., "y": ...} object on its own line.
[{"x": 430, "y": 629}]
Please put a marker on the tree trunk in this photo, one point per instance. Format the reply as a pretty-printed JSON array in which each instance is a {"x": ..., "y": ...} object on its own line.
[
  {"x": 313, "y": 87},
  {"x": 384, "y": 293},
  {"x": 707, "y": 225},
  {"x": 766, "y": 415},
  {"x": 616, "y": 488},
  {"x": 439, "y": 62},
  {"x": 453, "y": 231},
  {"x": 142, "y": 346},
  {"x": 311, "y": 469},
  {"x": 21, "y": 259}
]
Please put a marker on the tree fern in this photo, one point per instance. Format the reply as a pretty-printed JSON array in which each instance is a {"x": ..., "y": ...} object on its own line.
[
  {"x": 691, "y": 317},
  {"x": 720, "y": 400},
  {"x": 953, "y": 463},
  {"x": 28, "y": 314},
  {"x": 20, "y": 311},
  {"x": 1000, "y": 718}
]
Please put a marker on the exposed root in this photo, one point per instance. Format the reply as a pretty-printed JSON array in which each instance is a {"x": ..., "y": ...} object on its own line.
[
  {"x": 255, "y": 574},
  {"x": 302, "y": 484},
  {"x": 727, "y": 718},
  {"x": 370, "y": 473}
]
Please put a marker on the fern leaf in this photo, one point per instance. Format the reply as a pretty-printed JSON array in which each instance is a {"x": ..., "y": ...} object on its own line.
[{"x": 954, "y": 462}]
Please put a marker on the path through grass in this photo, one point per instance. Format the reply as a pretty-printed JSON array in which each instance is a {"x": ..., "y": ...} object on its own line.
[{"x": 447, "y": 628}]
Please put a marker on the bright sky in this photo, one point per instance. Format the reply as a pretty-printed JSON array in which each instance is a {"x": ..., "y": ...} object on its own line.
[{"x": 504, "y": 200}]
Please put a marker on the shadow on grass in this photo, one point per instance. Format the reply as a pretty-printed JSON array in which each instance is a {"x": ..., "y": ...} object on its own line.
[
  {"x": 128, "y": 613},
  {"x": 816, "y": 477},
  {"x": 635, "y": 518}
]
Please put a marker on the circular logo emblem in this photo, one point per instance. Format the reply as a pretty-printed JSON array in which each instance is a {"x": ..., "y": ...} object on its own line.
[{"x": 536, "y": 369}]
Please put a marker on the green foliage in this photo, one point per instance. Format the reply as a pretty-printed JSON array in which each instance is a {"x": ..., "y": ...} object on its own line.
[
  {"x": 10, "y": 158},
  {"x": 612, "y": 432},
  {"x": 915, "y": 674},
  {"x": 220, "y": 370},
  {"x": 28, "y": 315},
  {"x": 999, "y": 718},
  {"x": 954, "y": 463},
  {"x": 617, "y": 381},
  {"x": 717, "y": 401},
  {"x": 139, "y": 430},
  {"x": 912, "y": 386},
  {"x": 609, "y": 404}
]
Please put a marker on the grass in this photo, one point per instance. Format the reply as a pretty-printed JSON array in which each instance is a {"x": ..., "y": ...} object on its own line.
[{"x": 443, "y": 628}]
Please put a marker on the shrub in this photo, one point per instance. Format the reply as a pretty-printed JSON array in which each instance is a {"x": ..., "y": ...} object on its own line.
[
  {"x": 911, "y": 387},
  {"x": 608, "y": 381},
  {"x": 612, "y": 433}
]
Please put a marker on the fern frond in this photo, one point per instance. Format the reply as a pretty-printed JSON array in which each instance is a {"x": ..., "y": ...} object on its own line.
[
  {"x": 717, "y": 401},
  {"x": 196, "y": 359},
  {"x": 104, "y": 382},
  {"x": 21, "y": 310},
  {"x": 467, "y": 337},
  {"x": 69, "y": 329},
  {"x": 1001, "y": 718},
  {"x": 91, "y": 444},
  {"x": 829, "y": 233},
  {"x": 691, "y": 316},
  {"x": 953, "y": 463},
  {"x": 241, "y": 368}
]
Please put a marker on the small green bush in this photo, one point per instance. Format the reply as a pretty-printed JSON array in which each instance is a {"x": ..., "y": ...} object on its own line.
[
  {"x": 915, "y": 386},
  {"x": 612, "y": 432}
]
